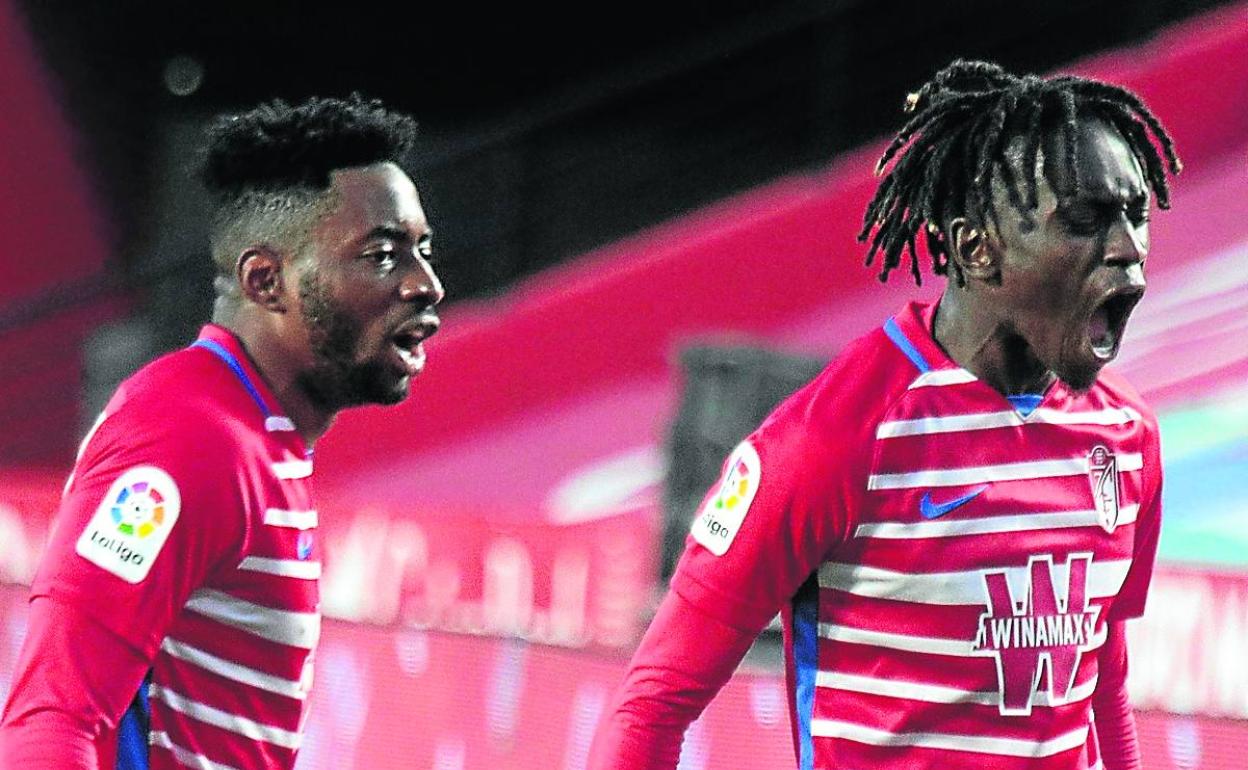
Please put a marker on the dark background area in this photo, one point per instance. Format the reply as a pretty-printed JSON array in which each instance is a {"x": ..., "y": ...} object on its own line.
[{"x": 545, "y": 132}]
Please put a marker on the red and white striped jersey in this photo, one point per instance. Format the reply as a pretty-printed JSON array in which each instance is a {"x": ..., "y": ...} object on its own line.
[
  {"x": 947, "y": 558},
  {"x": 187, "y": 530}
]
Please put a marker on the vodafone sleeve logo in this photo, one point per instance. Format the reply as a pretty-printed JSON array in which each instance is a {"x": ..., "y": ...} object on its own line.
[
  {"x": 132, "y": 523},
  {"x": 720, "y": 519}
]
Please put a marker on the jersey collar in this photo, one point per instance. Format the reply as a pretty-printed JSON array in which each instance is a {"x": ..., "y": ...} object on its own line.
[
  {"x": 911, "y": 331},
  {"x": 222, "y": 343}
]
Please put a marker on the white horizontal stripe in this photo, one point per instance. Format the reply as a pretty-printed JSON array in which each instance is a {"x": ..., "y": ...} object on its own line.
[
  {"x": 1022, "y": 522},
  {"x": 931, "y": 645},
  {"x": 931, "y": 693},
  {"x": 1105, "y": 578},
  {"x": 1121, "y": 416},
  {"x": 957, "y": 477},
  {"x": 278, "y": 424},
  {"x": 293, "y": 568},
  {"x": 185, "y": 757},
  {"x": 942, "y": 377},
  {"x": 298, "y": 629},
  {"x": 202, "y": 712},
  {"x": 277, "y": 517},
  {"x": 907, "y": 643},
  {"x": 292, "y": 469},
  {"x": 233, "y": 671},
  {"x": 1006, "y": 419},
  {"x": 1008, "y": 747}
]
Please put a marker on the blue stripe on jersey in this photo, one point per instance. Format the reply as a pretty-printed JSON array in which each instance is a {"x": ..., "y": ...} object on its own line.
[
  {"x": 230, "y": 361},
  {"x": 133, "y": 731},
  {"x": 806, "y": 665},
  {"x": 898, "y": 337},
  {"x": 1026, "y": 404}
]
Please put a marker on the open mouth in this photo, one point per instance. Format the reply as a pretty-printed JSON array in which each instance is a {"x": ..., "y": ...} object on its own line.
[
  {"x": 1109, "y": 321},
  {"x": 407, "y": 341}
]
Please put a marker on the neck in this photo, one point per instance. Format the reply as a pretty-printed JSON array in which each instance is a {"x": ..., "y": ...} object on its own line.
[
  {"x": 986, "y": 346},
  {"x": 271, "y": 359}
]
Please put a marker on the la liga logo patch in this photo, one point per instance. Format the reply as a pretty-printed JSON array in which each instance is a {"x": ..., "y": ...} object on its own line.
[
  {"x": 138, "y": 509},
  {"x": 132, "y": 523},
  {"x": 736, "y": 486},
  {"x": 721, "y": 516}
]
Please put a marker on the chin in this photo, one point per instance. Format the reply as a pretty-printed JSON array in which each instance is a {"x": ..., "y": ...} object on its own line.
[
  {"x": 396, "y": 395},
  {"x": 388, "y": 391},
  {"x": 1080, "y": 379},
  {"x": 373, "y": 384}
]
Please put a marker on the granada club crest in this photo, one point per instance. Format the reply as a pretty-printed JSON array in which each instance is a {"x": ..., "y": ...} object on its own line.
[{"x": 1103, "y": 475}]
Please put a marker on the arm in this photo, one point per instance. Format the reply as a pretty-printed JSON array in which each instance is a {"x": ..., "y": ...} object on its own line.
[
  {"x": 760, "y": 533},
  {"x": 73, "y": 681},
  {"x": 105, "y": 595},
  {"x": 1115, "y": 723},
  {"x": 684, "y": 659}
]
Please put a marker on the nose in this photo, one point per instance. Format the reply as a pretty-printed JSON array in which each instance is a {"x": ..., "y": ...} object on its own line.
[
  {"x": 422, "y": 285},
  {"x": 1126, "y": 243}
]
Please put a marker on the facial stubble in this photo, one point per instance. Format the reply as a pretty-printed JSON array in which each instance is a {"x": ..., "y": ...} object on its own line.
[{"x": 338, "y": 378}]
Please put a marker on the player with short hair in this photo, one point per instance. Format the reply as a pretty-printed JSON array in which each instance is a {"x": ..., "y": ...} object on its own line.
[
  {"x": 175, "y": 615},
  {"x": 959, "y": 514}
]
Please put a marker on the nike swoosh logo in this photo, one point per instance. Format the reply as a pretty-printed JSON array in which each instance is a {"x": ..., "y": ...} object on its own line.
[{"x": 932, "y": 510}]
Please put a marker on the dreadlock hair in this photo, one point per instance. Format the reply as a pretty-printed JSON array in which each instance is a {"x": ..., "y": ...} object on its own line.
[
  {"x": 962, "y": 122},
  {"x": 265, "y": 169}
]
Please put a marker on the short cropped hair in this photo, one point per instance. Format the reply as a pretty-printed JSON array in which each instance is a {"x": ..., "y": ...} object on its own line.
[{"x": 265, "y": 167}]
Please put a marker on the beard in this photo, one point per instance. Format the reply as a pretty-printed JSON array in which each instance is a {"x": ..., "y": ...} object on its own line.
[{"x": 338, "y": 377}]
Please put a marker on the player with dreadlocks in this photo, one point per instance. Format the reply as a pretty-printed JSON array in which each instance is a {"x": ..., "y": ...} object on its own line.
[
  {"x": 174, "y": 616},
  {"x": 964, "y": 120},
  {"x": 956, "y": 517}
]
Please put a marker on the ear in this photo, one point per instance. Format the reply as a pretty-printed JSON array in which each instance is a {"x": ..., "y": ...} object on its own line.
[
  {"x": 261, "y": 279},
  {"x": 971, "y": 249}
]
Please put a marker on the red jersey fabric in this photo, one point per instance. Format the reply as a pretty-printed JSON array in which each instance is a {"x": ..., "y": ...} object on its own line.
[
  {"x": 185, "y": 541},
  {"x": 947, "y": 565}
]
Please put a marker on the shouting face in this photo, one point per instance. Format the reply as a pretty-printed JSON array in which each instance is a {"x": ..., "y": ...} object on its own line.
[{"x": 1071, "y": 271}]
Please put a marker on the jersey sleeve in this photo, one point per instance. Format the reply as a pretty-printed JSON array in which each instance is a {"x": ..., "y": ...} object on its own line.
[
  {"x": 685, "y": 658},
  {"x": 765, "y": 526},
  {"x": 1131, "y": 598},
  {"x": 154, "y": 507},
  {"x": 761, "y": 531},
  {"x": 71, "y": 678},
  {"x": 1111, "y": 708}
]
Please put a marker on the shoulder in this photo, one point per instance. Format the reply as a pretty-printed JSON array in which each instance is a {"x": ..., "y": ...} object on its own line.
[
  {"x": 177, "y": 413},
  {"x": 786, "y": 495},
  {"x": 161, "y": 466},
  {"x": 1118, "y": 392},
  {"x": 185, "y": 397},
  {"x": 839, "y": 409}
]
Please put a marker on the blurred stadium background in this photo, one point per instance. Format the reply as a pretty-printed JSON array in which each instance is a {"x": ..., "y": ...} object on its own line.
[{"x": 645, "y": 220}]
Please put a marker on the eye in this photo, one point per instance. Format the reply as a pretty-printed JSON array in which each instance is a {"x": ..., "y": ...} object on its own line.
[
  {"x": 384, "y": 259},
  {"x": 1138, "y": 216},
  {"x": 425, "y": 247},
  {"x": 1083, "y": 219}
]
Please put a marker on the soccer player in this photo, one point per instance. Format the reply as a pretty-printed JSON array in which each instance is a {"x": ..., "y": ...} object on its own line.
[
  {"x": 959, "y": 514},
  {"x": 174, "y": 618}
]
